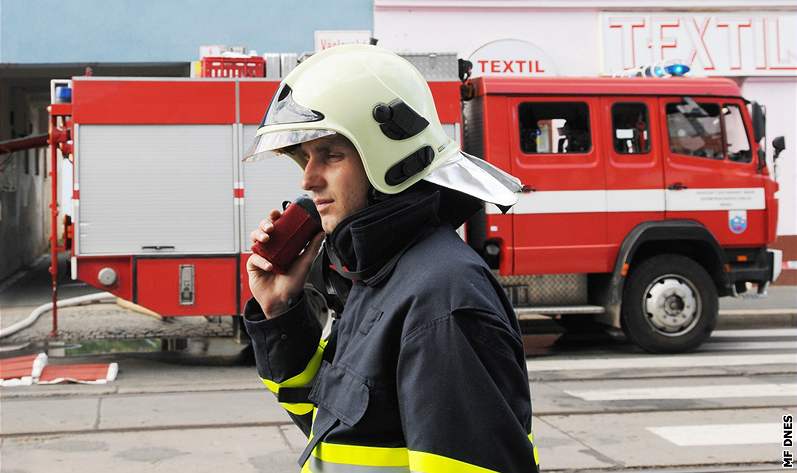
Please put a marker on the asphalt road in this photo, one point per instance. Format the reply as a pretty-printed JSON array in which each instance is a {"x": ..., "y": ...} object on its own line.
[{"x": 598, "y": 406}]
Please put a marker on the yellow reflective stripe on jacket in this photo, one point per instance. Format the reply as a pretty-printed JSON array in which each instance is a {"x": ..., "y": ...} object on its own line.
[
  {"x": 361, "y": 455},
  {"x": 422, "y": 462},
  {"x": 300, "y": 380},
  {"x": 316, "y": 465},
  {"x": 534, "y": 445},
  {"x": 335, "y": 458}
]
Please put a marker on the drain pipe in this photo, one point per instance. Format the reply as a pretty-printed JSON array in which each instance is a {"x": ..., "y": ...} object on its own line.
[{"x": 31, "y": 319}]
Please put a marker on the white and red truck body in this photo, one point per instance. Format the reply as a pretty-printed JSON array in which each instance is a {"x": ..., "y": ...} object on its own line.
[
  {"x": 163, "y": 205},
  {"x": 158, "y": 185}
]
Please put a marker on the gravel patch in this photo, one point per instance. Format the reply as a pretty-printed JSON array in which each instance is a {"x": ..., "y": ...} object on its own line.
[{"x": 109, "y": 321}]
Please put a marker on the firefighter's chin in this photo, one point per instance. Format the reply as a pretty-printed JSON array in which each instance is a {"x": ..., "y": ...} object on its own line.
[{"x": 329, "y": 220}]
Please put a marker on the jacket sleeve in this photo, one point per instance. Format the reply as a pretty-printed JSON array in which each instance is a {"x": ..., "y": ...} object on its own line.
[
  {"x": 288, "y": 351},
  {"x": 464, "y": 396}
]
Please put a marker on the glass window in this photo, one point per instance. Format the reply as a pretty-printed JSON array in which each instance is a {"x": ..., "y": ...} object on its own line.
[
  {"x": 631, "y": 128},
  {"x": 736, "y": 135},
  {"x": 695, "y": 129},
  {"x": 554, "y": 128}
]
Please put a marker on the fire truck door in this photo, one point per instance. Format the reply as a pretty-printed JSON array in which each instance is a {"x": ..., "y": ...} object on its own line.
[
  {"x": 710, "y": 173},
  {"x": 634, "y": 170},
  {"x": 560, "y": 223}
]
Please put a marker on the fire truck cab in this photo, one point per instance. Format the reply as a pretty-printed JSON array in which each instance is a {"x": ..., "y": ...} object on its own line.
[{"x": 644, "y": 200}]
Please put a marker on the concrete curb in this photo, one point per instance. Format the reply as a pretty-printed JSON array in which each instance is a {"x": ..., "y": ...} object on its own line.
[{"x": 759, "y": 318}]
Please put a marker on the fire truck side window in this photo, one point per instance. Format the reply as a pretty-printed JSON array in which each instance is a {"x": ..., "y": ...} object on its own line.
[
  {"x": 695, "y": 129},
  {"x": 631, "y": 126},
  {"x": 736, "y": 135},
  {"x": 554, "y": 127}
]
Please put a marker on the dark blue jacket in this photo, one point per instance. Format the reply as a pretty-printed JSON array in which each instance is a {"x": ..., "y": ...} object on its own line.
[{"x": 424, "y": 370}]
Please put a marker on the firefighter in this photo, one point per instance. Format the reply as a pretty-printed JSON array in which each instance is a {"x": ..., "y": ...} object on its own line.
[{"x": 424, "y": 369}]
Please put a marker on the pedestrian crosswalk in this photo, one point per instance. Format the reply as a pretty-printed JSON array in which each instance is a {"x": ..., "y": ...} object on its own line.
[
  {"x": 719, "y": 409},
  {"x": 755, "y": 347}
]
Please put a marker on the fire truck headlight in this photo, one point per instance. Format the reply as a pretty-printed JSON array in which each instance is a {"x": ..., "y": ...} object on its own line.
[
  {"x": 492, "y": 249},
  {"x": 106, "y": 276}
]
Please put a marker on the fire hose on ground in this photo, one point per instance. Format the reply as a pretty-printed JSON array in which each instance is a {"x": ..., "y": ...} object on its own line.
[{"x": 74, "y": 301}]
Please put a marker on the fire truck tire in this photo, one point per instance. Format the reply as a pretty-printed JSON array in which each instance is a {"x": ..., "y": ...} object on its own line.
[{"x": 670, "y": 304}]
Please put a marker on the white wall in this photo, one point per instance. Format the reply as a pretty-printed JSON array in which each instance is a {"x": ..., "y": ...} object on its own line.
[
  {"x": 572, "y": 43},
  {"x": 779, "y": 95}
]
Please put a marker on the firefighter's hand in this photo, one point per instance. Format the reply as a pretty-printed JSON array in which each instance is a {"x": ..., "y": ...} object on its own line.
[{"x": 272, "y": 290}]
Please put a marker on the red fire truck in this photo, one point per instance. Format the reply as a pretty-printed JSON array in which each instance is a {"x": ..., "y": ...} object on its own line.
[{"x": 645, "y": 199}]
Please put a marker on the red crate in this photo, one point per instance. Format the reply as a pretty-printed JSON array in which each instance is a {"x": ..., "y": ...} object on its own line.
[{"x": 213, "y": 66}]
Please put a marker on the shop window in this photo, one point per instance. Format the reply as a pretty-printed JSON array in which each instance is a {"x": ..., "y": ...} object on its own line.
[
  {"x": 554, "y": 128},
  {"x": 631, "y": 128},
  {"x": 736, "y": 134},
  {"x": 695, "y": 130}
]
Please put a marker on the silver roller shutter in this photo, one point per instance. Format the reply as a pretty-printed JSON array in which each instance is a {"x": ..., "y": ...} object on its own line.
[{"x": 166, "y": 186}]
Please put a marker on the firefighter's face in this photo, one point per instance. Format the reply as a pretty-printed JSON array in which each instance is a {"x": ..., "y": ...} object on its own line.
[{"x": 335, "y": 175}]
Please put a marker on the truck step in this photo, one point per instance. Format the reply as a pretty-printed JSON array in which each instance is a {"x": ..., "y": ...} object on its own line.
[{"x": 531, "y": 313}]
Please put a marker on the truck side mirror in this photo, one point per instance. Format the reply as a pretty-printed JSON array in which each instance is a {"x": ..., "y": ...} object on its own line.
[
  {"x": 779, "y": 144},
  {"x": 759, "y": 122},
  {"x": 465, "y": 69}
]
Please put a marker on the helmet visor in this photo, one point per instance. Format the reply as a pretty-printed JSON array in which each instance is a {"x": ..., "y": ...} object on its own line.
[
  {"x": 284, "y": 109},
  {"x": 273, "y": 144}
]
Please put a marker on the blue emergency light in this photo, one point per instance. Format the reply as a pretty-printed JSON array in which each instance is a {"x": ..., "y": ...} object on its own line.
[
  {"x": 671, "y": 70},
  {"x": 63, "y": 94},
  {"x": 677, "y": 70}
]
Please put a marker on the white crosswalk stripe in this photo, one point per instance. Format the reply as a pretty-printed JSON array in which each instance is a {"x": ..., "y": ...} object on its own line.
[
  {"x": 710, "y": 354},
  {"x": 687, "y": 392},
  {"x": 719, "y": 434},
  {"x": 653, "y": 361}
]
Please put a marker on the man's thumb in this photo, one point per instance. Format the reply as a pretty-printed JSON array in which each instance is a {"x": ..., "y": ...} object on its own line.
[{"x": 308, "y": 255}]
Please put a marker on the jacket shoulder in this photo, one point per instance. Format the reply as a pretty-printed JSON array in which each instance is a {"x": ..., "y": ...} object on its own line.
[
  {"x": 442, "y": 275},
  {"x": 443, "y": 259}
]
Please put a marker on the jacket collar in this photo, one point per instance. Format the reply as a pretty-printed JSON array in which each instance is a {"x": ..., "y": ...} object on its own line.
[{"x": 366, "y": 245}]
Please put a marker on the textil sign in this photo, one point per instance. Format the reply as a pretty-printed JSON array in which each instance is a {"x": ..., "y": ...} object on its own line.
[
  {"x": 710, "y": 43},
  {"x": 511, "y": 58}
]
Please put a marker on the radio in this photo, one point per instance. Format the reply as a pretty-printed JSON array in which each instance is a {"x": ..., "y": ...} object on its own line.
[{"x": 298, "y": 225}]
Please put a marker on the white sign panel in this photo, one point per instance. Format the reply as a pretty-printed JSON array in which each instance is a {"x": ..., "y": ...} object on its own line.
[
  {"x": 511, "y": 58},
  {"x": 710, "y": 43},
  {"x": 715, "y": 199},
  {"x": 325, "y": 39}
]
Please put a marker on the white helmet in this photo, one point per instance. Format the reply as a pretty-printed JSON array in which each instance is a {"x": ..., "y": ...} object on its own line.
[{"x": 383, "y": 105}]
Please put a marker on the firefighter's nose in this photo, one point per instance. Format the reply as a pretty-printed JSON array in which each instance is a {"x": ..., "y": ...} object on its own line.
[{"x": 312, "y": 178}]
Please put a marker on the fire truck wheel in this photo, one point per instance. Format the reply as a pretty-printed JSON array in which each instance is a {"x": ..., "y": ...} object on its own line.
[{"x": 670, "y": 304}]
